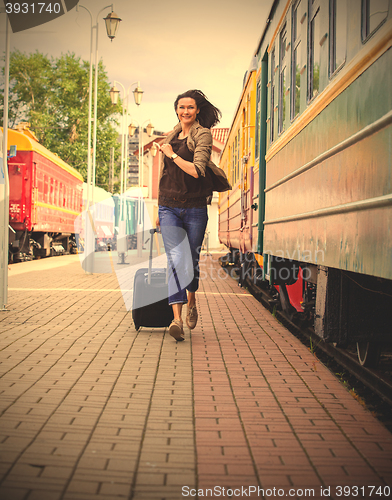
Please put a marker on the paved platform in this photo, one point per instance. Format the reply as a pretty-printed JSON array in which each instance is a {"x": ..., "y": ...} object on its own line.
[{"x": 93, "y": 410}]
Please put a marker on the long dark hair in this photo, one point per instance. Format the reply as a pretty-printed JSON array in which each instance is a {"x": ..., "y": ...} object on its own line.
[{"x": 208, "y": 115}]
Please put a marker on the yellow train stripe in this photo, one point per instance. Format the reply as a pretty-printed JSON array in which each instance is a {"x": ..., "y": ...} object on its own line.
[
  {"x": 279, "y": 26},
  {"x": 52, "y": 207}
]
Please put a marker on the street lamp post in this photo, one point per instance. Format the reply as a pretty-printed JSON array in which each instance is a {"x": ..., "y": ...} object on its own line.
[
  {"x": 5, "y": 214},
  {"x": 150, "y": 130},
  {"x": 112, "y": 22},
  {"x": 114, "y": 94},
  {"x": 153, "y": 153},
  {"x": 122, "y": 246}
]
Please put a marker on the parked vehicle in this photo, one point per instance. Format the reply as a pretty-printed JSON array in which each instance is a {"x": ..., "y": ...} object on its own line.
[{"x": 45, "y": 199}]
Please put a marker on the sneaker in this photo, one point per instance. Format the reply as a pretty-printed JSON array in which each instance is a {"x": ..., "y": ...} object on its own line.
[
  {"x": 191, "y": 317},
  {"x": 176, "y": 330}
]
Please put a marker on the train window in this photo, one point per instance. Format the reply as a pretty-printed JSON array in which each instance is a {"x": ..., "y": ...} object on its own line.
[
  {"x": 314, "y": 49},
  {"x": 235, "y": 159},
  {"x": 231, "y": 159},
  {"x": 272, "y": 113},
  {"x": 231, "y": 156},
  {"x": 248, "y": 130},
  {"x": 337, "y": 34},
  {"x": 63, "y": 194},
  {"x": 226, "y": 169},
  {"x": 295, "y": 61},
  {"x": 258, "y": 113},
  {"x": 56, "y": 193},
  {"x": 282, "y": 78},
  {"x": 238, "y": 155},
  {"x": 46, "y": 189},
  {"x": 51, "y": 194},
  {"x": 374, "y": 13},
  {"x": 244, "y": 135}
]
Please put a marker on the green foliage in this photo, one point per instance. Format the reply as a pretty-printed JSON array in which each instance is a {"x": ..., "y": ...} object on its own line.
[
  {"x": 53, "y": 96},
  {"x": 316, "y": 79},
  {"x": 297, "y": 90}
]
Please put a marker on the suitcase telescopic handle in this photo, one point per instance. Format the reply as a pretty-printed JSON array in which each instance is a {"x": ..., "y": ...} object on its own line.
[{"x": 152, "y": 231}]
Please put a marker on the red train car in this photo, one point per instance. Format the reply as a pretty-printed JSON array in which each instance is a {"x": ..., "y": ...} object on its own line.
[{"x": 45, "y": 199}]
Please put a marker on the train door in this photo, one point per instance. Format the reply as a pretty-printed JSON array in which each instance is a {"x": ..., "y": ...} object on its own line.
[
  {"x": 241, "y": 242},
  {"x": 34, "y": 193},
  {"x": 260, "y": 152},
  {"x": 251, "y": 206},
  {"x": 17, "y": 171},
  {"x": 26, "y": 198}
]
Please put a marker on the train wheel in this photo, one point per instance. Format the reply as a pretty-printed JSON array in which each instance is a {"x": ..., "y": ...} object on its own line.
[{"x": 368, "y": 353}]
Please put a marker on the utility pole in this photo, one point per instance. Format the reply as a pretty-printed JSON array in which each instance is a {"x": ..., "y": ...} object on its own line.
[{"x": 111, "y": 177}]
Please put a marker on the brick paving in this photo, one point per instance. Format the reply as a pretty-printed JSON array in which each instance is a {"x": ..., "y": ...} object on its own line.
[{"x": 92, "y": 409}]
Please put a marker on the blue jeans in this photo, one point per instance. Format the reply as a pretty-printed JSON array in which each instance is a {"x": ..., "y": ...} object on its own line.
[{"x": 183, "y": 233}]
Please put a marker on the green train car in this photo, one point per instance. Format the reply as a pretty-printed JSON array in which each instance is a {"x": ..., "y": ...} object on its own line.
[{"x": 316, "y": 182}]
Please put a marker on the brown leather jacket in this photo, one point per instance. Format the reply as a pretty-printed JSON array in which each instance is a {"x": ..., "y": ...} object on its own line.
[{"x": 199, "y": 141}]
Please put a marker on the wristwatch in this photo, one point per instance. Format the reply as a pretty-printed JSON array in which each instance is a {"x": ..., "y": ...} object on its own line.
[{"x": 174, "y": 156}]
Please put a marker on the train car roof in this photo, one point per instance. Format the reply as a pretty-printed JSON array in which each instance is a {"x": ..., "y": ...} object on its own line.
[
  {"x": 268, "y": 21},
  {"x": 100, "y": 194},
  {"x": 253, "y": 62},
  {"x": 26, "y": 142},
  {"x": 252, "y": 69}
]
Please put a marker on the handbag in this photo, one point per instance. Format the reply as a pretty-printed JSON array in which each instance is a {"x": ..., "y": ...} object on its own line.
[{"x": 218, "y": 178}]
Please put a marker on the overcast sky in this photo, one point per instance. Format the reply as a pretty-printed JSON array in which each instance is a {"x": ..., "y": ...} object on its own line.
[{"x": 169, "y": 47}]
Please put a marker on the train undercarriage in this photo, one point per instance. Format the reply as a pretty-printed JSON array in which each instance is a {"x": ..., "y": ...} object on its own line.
[
  {"x": 342, "y": 307},
  {"x": 28, "y": 245}
]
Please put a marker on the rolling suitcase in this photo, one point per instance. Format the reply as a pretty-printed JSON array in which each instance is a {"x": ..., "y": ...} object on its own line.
[{"x": 150, "y": 306}]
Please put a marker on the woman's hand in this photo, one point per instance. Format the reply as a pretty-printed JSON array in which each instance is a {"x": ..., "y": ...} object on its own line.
[
  {"x": 158, "y": 224},
  {"x": 186, "y": 166},
  {"x": 167, "y": 150}
]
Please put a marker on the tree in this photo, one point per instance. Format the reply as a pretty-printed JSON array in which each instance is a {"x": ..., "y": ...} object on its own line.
[{"x": 53, "y": 96}]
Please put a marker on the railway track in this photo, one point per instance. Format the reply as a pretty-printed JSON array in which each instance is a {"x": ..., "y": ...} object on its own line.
[{"x": 373, "y": 386}]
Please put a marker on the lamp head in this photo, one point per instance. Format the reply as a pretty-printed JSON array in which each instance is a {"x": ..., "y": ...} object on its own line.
[
  {"x": 131, "y": 129},
  {"x": 112, "y": 21},
  {"x": 150, "y": 129},
  {"x": 114, "y": 93},
  {"x": 138, "y": 94}
]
